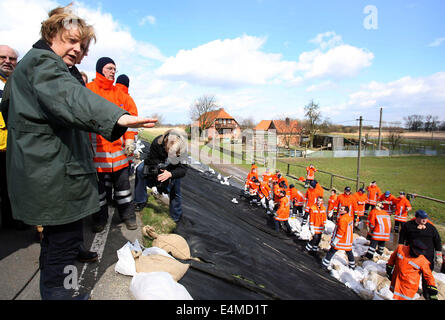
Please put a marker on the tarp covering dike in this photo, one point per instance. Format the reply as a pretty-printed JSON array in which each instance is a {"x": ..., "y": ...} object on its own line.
[{"x": 242, "y": 256}]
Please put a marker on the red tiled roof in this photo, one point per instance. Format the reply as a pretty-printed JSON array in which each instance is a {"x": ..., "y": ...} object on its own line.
[
  {"x": 280, "y": 125},
  {"x": 210, "y": 116}
]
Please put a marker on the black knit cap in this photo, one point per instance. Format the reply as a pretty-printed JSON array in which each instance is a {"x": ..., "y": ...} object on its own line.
[
  {"x": 102, "y": 62},
  {"x": 123, "y": 79}
]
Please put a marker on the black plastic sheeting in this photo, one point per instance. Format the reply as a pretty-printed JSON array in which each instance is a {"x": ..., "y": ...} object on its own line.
[{"x": 243, "y": 258}]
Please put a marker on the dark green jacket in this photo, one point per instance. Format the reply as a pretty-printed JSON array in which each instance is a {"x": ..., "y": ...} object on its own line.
[{"x": 51, "y": 175}]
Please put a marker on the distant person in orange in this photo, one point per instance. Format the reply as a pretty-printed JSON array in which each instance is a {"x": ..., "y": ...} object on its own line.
[
  {"x": 405, "y": 267},
  {"x": 312, "y": 193},
  {"x": 317, "y": 222},
  {"x": 264, "y": 193},
  {"x": 379, "y": 230},
  {"x": 373, "y": 193},
  {"x": 331, "y": 203},
  {"x": 342, "y": 238},
  {"x": 254, "y": 186},
  {"x": 388, "y": 200},
  {"x": 402, "y": 207},
  {"x": 282, "y": 214},
  {"x": 281, "y": 178},
  {"x": 253, "y": 173},
  {"x": 267, "y": 175},
  {"x": 348, "y": 200},
  {"x": 360, "y": 201},
  {"x": 297, "y": 199},
  {"x": 310, "y": 174}
]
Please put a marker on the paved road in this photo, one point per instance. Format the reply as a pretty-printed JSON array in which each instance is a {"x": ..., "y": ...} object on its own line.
[{"x": 19, "y": 262}]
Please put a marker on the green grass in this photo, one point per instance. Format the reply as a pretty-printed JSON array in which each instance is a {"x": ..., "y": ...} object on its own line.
[{"x": 156, "y": 214}]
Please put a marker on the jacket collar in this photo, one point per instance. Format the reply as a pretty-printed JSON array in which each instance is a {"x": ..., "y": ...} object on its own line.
[
  {"x": 43, "y": 45},
  {"x": 3, "y": 78},
  {"x": 103, "y": 82},
  {"x": 122, "y": 87}
]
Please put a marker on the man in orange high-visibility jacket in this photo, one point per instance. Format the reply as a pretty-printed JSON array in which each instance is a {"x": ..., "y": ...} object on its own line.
[
  {"x": 342, "y": 238},
  {"x": 310, "y": 173},
  {"x": 373, "y": 193},
  {"x": 267, "y": 175},
  {"x": 312, "y": 193},
  {"x": 109, "y": 157},
  {"x": 346, "y": 199},
  {"x": 264, "y": 193},
  {"x": 379, "y": 230},
  {"x": 402, "y": 207},
  {"x": 253, "y": 188},
  {"x": 281, "y": 216},
  {"x": 405, "y": 267},
  {"x": 253, "y": 173},
  {"x": 360, "y": 201},
  {"x": 282, "y": 179},
  {"x": 297, "y": 198},
  {"x": 388, "y": 200},
  {"x": 331, "y": 203},
  {"x": 317, "y": 222}
]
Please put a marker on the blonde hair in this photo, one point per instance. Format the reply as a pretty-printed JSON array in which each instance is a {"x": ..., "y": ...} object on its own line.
[{"x": 63, "y": 18}]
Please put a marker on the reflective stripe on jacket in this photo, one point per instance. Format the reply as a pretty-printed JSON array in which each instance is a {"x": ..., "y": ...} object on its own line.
[
  {"x": 283, "y": 209},
  {"x": 379, "y": 223},
  {"x": 317, "y": 218},
  {"x": 343, "y": 234},
  {"x": 401, "y": 209}
]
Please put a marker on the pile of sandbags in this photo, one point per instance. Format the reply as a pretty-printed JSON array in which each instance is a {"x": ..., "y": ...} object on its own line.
[{"x": 156, "y": 270}]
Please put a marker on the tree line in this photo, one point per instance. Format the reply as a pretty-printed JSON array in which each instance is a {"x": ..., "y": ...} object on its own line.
[{"x": 417, "y": 122}]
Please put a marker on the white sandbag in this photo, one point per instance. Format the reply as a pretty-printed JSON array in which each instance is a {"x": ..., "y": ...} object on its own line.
[
  {"x": 157, "y": 286},
  {"x": 125, "y": 264},
  {"x": 155, "y": 250}
]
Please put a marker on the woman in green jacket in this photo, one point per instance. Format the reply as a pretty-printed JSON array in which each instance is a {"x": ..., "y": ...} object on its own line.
[{"x": 50, "y": 171}]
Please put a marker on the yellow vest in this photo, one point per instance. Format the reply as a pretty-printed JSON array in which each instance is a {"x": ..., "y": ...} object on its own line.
[{"x": 3, "y": 134}]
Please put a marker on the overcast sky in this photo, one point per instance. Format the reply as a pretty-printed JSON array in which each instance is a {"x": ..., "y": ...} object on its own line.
[{"x": 263, "y": 59}]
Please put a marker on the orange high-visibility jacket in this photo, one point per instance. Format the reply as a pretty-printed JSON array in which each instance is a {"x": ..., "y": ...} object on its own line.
[
  {"x": 264, "y": 190},
  {"x": 402, "y": 205},
  {"x": 267, "y": 176},
  {"x": 347, "y": 201},
  {"x": 249, "y": 177},
  {"x": 379, "y": 223},
  {"x": 109, "y": 156},
  {"x": 253, "y": 187},
  {"x": 276, "y": 193},
  {"x": 374, "y": 193},
  {"x": 342, "y": 237},
  {"x": 407, "y": 271},
  {"x": 130, "y": 106},
  {"x": 360, "y": 201},
  {"x": 311, "y": 198},
  {"x": 331, "y": 203},
  {"x": 388, "y": 206},
  {"x": 297, "y": 197},
  {"x": 317, "y": 218},
  {"x": 283, "y": 209},
  {"x": 310, "y": 173}
]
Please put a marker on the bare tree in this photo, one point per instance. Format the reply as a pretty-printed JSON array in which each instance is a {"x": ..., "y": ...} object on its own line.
[
  {"x": 414, "y": 122},
  {"x": 247, "y": 123},
  {"x": 313, "y": 115},
  {"x": 394, "y": 137},
  {"x": 431, "y": 123},
  {"x": 160, "y": 118},
  {"x": 199, "y": 111}
]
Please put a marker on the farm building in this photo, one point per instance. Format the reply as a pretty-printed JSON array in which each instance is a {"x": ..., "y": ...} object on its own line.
[
  {"x": 288, "y": 132},
  {"x": 220, "y": 125},
  {"x": 331, "y": 142}
]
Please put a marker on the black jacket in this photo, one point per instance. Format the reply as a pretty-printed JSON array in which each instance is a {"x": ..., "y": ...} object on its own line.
[
  {"x": 159, "y": 155},
  {"x": 429, "y": 236}
]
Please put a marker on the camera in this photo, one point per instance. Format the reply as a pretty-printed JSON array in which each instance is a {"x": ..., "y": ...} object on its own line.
[{"x": 151, "y": 172}]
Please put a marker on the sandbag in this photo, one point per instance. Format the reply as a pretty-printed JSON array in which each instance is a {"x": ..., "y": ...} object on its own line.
[
  {"x": 161, "y": 263},
  {"x": 157, "y": 286},
  {"x": 172, "y": 243}
]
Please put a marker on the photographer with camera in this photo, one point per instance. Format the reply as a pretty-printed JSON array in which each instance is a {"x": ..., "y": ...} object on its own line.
[{"x": 163, "y": 168}]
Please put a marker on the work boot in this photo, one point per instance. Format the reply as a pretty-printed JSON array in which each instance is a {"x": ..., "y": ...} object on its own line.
[
  {"x": 139, "y": 207},
  {"x": 131, "y": 223},
  {"x": 86, "y": 256}
]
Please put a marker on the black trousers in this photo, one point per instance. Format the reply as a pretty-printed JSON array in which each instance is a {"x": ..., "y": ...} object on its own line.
[
  {"x": 313, "y": 244},
  {"x": 122, "y": 195},
  {"x": 59, "y": 249},
  {"x": 398, "y": 225},
  {"x": 375, "y": 246},
  {"x": 327, "y": 260}
]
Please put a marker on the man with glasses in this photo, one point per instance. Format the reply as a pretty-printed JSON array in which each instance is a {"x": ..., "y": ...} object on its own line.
[{"x": 110, "y": 158}]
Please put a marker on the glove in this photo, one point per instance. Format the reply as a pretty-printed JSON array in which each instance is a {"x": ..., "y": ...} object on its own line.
[
  {"x": 129, "y": 147},
  {"x": 432, "y": 290},
  {"x": 389, "y": 270},
  {"x": 438, "y": 257}
]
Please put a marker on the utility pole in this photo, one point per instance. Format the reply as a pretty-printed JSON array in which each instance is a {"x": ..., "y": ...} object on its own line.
[
  {"x": 359, "y": 153},
  {"x": 380, "y": 130}
]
